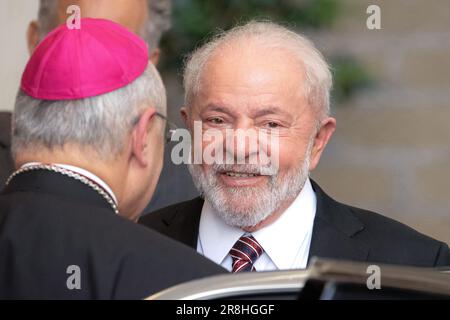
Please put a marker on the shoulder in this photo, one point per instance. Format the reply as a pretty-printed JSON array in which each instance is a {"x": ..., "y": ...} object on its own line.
[
  {"x": 386, "y": 229},
  {"x": 388, "y": 240},
  {"x": 399, "y": 242}
]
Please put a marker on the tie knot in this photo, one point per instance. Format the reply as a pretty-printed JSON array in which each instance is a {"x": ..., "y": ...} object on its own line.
[{"x": 245, "y": 252}]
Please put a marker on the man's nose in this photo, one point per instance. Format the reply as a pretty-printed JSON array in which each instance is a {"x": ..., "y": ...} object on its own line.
[{"x": 242, "y": 142}]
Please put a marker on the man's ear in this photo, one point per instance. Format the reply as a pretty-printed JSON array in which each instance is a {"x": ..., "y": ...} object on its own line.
[
  {"x": 321, "y": 139},
  {"x": 32, "y": 36},
  {"x": 185, "y": 116},
  {"x": 154, "y": 56},
  {"x": 140, "y": 137}
]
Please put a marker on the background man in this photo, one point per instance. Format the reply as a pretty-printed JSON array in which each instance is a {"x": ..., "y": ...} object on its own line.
[
  {"x": 88, "y": 142},
  {"x": 148, "y": 19},
  {"x": 263, "y": 76}
]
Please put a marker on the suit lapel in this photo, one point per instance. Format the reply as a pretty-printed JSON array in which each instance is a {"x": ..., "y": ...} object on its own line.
[
  {"x": 334, "y": 229},
  {"x": 183, "y": 224}
]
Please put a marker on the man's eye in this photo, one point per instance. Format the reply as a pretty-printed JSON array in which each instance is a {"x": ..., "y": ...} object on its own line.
[
  {"x": 216, "y": 120},
  {"x": 272, "y": 125}
]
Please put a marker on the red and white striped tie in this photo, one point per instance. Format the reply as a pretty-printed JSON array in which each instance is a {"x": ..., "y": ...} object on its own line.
[{"x": 245, "y": 252}]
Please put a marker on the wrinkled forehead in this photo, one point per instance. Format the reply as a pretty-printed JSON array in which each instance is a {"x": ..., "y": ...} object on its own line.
[
  {"x": 240, "y": 61},
  {"x": 251, "y": 75}
]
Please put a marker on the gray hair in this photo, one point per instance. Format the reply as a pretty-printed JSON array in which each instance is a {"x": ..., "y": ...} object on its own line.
[
  {"x": 159, "y": 14},
  {"x": 102, "y": 122},
  {"x": 271, "y": 35}
]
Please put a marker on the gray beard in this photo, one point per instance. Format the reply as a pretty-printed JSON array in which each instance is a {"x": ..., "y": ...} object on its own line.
[{"x": 245, "y": 207}]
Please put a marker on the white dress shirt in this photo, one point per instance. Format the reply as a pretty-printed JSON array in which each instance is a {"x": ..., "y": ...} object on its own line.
[
  {"x": 83, "y": 172},
  {"x": 285, "y": 242}
]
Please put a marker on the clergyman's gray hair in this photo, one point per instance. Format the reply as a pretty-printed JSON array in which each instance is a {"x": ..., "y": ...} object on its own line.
[
  {"x": 269, "y": 35},
  {"x": 101, "y": 123},
  {"x": 159, "y": 14}
]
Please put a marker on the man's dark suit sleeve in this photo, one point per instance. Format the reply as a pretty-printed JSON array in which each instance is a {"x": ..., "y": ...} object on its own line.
[{"x": 443, "y": 256}]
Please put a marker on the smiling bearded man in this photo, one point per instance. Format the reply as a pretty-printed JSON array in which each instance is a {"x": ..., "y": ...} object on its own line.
[{"x": 264, "y": 77}]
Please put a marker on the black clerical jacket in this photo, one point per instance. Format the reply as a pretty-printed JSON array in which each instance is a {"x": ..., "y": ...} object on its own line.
[
  {"x": 339, "y": 232},
  {"x": 59, "y": 239}
]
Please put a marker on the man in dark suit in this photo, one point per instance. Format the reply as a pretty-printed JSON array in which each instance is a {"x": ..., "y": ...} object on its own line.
[
  {"x": 88, "y": 142},
  {"x": 264, "y": 78},
  {"x": 339, "y": 231}
]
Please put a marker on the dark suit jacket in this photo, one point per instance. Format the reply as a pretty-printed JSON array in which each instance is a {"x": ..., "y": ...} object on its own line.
[
  {"x": 49, "y": 222},
  {"x": 6, "y": 162},
  {"x": 340, "y": 232}
]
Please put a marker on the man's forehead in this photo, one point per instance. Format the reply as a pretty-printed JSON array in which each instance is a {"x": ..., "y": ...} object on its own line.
[
  {"x": 255, "y": 92},
  {"x": 252, "y": 68}
]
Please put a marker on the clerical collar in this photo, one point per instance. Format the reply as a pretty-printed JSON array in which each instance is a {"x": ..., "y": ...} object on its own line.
[{"x": 82, "y": 172}]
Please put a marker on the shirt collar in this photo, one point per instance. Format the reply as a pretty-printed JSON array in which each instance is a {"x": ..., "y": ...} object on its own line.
[
  {"x": 287, "y": 235},
  {"x": 83, "y": 172},
  {"x": 216, "y": 238}
]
